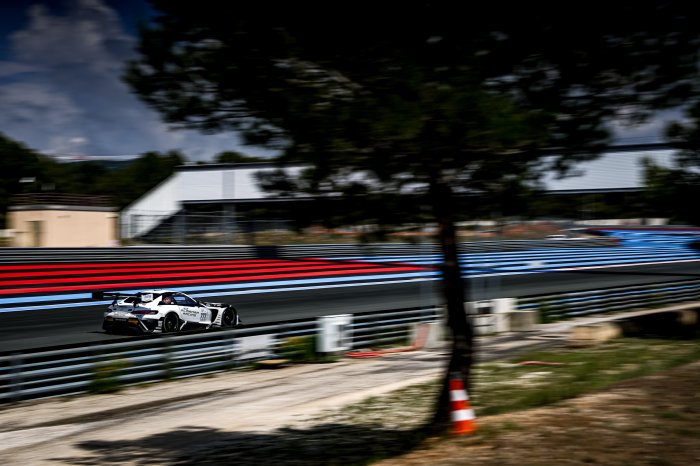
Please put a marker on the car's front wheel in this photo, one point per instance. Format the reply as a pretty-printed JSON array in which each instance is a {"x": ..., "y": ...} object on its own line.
[
  {"x": 229, "y": 318},
  {"x": 171, "y": 323}
]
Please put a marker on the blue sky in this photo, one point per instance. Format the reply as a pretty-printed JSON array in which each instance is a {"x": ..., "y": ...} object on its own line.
[{"x": 60, "y": 92}]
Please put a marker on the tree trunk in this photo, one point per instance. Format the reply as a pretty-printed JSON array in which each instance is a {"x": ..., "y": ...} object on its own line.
[{"x": 454, "y": 288}]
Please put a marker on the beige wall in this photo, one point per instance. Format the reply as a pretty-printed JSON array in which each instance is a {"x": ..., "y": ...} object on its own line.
[{"x": 62, "y": 228}]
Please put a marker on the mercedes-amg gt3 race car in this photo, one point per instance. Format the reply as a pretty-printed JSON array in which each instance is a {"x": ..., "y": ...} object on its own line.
[{"x": 163, "y": 311}]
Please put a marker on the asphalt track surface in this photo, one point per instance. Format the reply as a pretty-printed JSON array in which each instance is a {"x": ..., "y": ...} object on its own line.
[{"x": 52, "y": 326}]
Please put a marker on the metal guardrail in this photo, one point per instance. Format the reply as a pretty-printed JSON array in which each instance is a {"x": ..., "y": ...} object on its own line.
[
  {"x": 387, "y": 249},
  {"x": 125, "y": 254},
  {"x": 522, "y": 245},
  {"x": 68, "y": 371},
  {"x": 77, "y": 370},
  {"x": 573, "y": 304},
  {"x": 179, "y": 253}
]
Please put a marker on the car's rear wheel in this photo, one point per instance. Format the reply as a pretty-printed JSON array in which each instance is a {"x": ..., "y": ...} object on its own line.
[
  {"x": 171, "y": 323},
  {"x": 229, "y": 318}
]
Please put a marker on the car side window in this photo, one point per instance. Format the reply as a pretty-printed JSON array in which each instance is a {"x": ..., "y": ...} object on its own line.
[
  {"x": 182, "y": 300},
  {"x": 167, "y": 300}
]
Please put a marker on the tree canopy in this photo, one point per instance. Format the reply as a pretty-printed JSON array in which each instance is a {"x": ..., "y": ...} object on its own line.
[
  {"x": 673, "y": 191},
  {"x": 430, "y": 97},
  {"x": 19, "y": 164},
  {"x": 231, "y": 156},
  {"x": 25, "y": 170}
]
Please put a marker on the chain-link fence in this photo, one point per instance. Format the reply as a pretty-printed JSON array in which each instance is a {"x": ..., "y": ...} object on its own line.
[{"x": 197, "y": 228}]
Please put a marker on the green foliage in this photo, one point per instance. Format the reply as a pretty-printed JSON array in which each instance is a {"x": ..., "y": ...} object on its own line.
[
  {"x": 548, "y": 314},
  {"x": 135, "y": 179},
  {"x": 303, "y": 349},
  {"x": 105, "y": 378},
  {"x": 672, "y": 192},
  {"x": 17, "y": 162},
  {"x": 504, "y": 387},
  {"x": 298, "y": 349},
  {"x": 236, "y": 157},
  {"x": 429, "y": 95},
  {"x": 123, "y": 184},
  {"x": 379, "y": 102}
]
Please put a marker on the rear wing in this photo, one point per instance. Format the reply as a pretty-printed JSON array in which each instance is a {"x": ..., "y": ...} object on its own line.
[
  {"x": 137, "y": 298},
  {"x": 101, "y": 295}
]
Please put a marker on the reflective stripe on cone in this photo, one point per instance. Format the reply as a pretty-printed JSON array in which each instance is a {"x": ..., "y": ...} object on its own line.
[{"x": 461, "y": 413}]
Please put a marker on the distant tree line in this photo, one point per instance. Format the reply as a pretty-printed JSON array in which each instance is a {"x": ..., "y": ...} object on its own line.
[
  {"x": 25, "y": 170},
  {"x": 674, "y": 191},
  {"x": 670, "y": 192}
]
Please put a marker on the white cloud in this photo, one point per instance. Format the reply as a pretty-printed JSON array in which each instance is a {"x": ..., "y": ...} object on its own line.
[
  {"x": 62, "y": 81},
  {"x": 35, "y": 114},
  {"x": 8, "y": 68},
  {"x": 62, "y": 85}
]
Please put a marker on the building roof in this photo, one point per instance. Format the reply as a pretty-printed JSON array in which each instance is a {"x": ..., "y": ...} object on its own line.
[
  {"x": 619, "y": 169},
  {"x": 60, "y": 201},
  {"x": 614, "y": 171}
]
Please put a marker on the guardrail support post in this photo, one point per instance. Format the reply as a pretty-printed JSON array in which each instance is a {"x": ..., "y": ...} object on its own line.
[
  {"x": 16, "y": 380},
  {"x": 168, "y": 358}
]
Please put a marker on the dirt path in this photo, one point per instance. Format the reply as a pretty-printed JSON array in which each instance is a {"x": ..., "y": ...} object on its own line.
[
  {"x": 269, "y": 417},
  {"x": 227, "y": 418},
  {"x": 654, "y": 420}
]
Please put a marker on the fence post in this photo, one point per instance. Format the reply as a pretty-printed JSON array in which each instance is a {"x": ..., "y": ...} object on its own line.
[
  {"x": 181, "y": 227},
  {"x": 230, "y": 344},
  {"x": 168, "y": 358},
  {"x": 16, "y": 379}
]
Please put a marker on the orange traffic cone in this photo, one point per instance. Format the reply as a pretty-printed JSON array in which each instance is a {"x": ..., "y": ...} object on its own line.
[{"x": 463, "y": 418}]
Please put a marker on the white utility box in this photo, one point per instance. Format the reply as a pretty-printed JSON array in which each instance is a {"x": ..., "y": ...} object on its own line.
[{"x": 335, "y": 333}]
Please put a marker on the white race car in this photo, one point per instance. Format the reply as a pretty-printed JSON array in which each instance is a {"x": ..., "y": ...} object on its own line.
[{"x": 163, "y": 311}]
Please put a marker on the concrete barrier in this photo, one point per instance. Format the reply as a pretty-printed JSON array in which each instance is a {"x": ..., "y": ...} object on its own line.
[
  {"x": 593, "y": 334},
  {"x": 499, "y": 316},
  {"x": 428, "y": 335},
  {"x": 687, "y": 317},
  {"x": 523, "y": 321}
]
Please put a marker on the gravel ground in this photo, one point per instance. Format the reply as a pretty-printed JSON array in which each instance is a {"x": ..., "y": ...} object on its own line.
[
  {"x": 646, "y": 421},
  {"x": 653, "y": 420},
  {"x": 236, "y": 418}
]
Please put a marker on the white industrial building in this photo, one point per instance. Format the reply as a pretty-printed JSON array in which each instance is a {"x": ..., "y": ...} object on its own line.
[
  {"x": 226, "y": 184},
  {"x": 231, "y": 185}
]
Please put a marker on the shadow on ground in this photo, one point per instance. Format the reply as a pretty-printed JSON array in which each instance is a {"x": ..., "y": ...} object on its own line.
[{"x": 329, "y": 444}]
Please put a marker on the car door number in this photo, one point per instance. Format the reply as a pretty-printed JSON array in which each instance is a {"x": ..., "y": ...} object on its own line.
[{"x": 193, "y": 314}]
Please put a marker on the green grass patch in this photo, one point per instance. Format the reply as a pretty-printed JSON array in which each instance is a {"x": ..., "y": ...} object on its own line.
[
  {"x": 505, "y": 386},
  {"x": 105, "y": 376},
  {"x": 686, "y": 432},
  {"x": 674, "y": 415},
  {"x": 509, "y": 387}
]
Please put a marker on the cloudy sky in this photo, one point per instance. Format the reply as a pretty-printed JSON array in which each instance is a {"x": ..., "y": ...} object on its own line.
[{"x": 60, "y": 92}]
